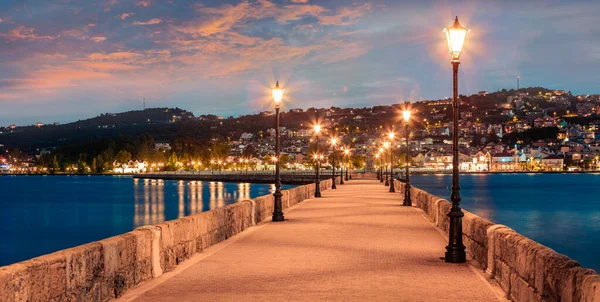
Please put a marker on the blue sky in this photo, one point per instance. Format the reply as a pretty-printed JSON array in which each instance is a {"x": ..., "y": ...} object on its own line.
[{"x": 67, "y": 60}]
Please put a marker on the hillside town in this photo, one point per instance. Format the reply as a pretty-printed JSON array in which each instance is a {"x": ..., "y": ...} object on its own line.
[{"x": 530, "y": 129}]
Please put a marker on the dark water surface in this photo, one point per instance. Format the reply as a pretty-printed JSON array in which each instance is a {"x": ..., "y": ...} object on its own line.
[
  {"x": 43, "y": 214},
  {"x": 561, "y": 211}
]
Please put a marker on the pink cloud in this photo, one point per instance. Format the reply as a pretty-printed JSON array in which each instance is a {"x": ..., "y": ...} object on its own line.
[
  {"x": 299, "y": 1},
  {"x": 24, "y": 33},
  {"x": 149, "y": 22},
  {"x": 115, "y": 56},
  {"x": 98, "y": 39},
  {"x": 143, "y": 3},
  {"x": 124, "y": 16}
]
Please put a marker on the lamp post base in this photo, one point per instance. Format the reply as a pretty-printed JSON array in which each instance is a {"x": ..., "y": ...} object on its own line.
[
  {"x": 455, "y": 251},
  {"x": 278, "y": 212},
  {"x": 407, "y": 202},
  {"x": 278, "y": 216},
  {"x": 455, "y": 255},
  {"x": 318, "y": 189}
]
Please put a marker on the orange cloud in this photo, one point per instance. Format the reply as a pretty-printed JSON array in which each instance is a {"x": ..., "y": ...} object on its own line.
[
  {"x": 124, "y": 16},
  {"x": 24, "y": 33},
  {"x": 299, "y": 1},
  {"x": 143, "y": 3},
  {"x": 149, "y": 22},
  {"x": 104, "y": 66},
  {"x": 121, "y": 55},
  {"x": 98, "y": 39}
]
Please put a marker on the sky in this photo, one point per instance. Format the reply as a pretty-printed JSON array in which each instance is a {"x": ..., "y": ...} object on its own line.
[{"x": 64, "y": 60}]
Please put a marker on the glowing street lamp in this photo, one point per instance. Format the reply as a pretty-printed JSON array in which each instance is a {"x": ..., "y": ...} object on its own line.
[
  {"x": 347, "y": 154},
  {"x": 407, "y": 201},
  {"x": 382, "y": 161},
  {"x": 278, "y": 208},
  {"x": 317, "y": 129},
  {"x": 318, "y": 158},
  {"x": 333, "y": 143},
  {"x": 455, "y": 251},
  {"x": 386, "y": 145},
  {"x": 377, "y": 165},
  {"x": 391, "y": 136}
]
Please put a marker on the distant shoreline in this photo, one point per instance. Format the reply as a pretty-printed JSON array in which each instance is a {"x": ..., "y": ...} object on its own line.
[{"x": 401, "y": 172}]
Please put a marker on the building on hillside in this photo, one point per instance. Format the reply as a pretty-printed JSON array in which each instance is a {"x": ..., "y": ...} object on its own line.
[
  {"x": 130, "y": 167},
  {"x": 552, "y": 163}
]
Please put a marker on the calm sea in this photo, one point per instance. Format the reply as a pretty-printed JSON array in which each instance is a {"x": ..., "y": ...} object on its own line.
[
  {"x": 43, "y": 214},
  {"x": 561, "y": 211}
]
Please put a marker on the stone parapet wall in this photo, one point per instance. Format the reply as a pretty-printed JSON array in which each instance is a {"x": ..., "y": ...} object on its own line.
[
  {"x": 524, "y": 269},
  {"x": 105, "y": 269}
]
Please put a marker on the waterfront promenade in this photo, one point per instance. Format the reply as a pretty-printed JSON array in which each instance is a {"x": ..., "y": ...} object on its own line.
[{"x": 355, "y": 243}]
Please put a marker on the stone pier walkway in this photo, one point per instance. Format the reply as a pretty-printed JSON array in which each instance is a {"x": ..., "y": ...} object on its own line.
[{"x": 356, "y": 243}]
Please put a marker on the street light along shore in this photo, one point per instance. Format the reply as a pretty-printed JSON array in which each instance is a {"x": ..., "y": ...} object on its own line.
[
  {"x": 333, "y": 143},
  {"x": 455, "y": 251},
  {"x": 391, "y": 136},
  {"x": 407, "y": 201},
  {"x": 278, "y": 208},
  {"x": 317, "y": 157}
]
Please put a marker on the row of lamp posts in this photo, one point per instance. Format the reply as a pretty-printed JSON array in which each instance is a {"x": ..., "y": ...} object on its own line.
[
  {"x": 278, "y": 215},
  {"x": 455, "y": 250}
]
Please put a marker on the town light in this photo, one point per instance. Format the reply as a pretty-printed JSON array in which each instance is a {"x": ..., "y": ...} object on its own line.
[
  {"x": 455, "y": 250},
  {"x": 391, "y": 135},
  {"x": 317, "y": 129},
  {"x": 277, "y": 94},
  {"x": 406, "y": 115},
  {"x": 456, "y": 35}
]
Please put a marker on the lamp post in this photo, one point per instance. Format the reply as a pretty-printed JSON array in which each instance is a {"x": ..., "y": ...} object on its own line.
[
  {"x": 407, "y": 201},
  {"x": 377, "y": 165},
  {"x": 455, "y": 251},
  {"x": 392, "y": 186},
  {"x": 333, "y": 143},
  {"x": 386, "y": 145},
  {"x": 346, "y": 154},
  {"x": 317, "y": 129},
  {"x": 278, "y": 208},
  {"x": 381, "y": 162},
  {"x": 342, "y": 169}
]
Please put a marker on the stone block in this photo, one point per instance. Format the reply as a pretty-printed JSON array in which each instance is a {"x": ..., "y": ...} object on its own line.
[
  {"x": 119, "y": 252},
  {"x": 526, "y": 250},
  {"x": 552, "y": 274},
  {"x": 491, "y": 235},
  {"x": 521, "y": 290},
  {"x": 84, "y": 266},
  {"x": 443, "y": 220},
  {"x": 143, "y": 255},
  {"x": 84, "y": 263},
  {"x": 505, "y": 246},
  {"x": 579, "y": 277},
  {"x": 6, "y": 286},
  {"x": 503, "y": 275},
  {"x": 590, "y": 288}
]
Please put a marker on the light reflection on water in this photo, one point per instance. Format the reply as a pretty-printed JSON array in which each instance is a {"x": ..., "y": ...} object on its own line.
[
  {"x": 43, "y": 214},
  {"x": 561, "y": 211},
  {"x": 192, "y": 197}
]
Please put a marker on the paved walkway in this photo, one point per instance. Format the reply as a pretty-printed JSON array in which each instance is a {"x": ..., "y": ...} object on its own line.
[{"x": 356, "y": 243}]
